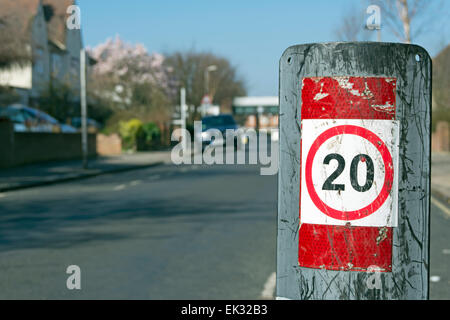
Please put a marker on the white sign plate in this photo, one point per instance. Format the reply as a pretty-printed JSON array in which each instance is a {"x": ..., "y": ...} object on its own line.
[{"x": 349, "y": 172}]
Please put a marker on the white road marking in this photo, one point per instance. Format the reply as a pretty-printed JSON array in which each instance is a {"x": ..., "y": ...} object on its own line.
[
  {"x": 440, "y": 205},
  {"x": 269, "y": 287},
  {"x": 135, "y": 182},
  {"x": 119, "y": 187},
  {"x": 282, "y": 298},
  {"x": 2, "y": 195},
  {"x": 435, "y": 278},
  {"x": 446, "y": 251}
]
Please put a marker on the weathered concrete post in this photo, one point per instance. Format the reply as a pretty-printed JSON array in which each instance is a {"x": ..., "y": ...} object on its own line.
[{"x": 354, "y": 178}]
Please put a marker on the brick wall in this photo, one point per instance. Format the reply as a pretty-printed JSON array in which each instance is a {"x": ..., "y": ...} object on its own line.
[
  {"x": 440, "y": 140},
  {"x": 109, "y": 145},
  {"x": 18, "y": 148}
]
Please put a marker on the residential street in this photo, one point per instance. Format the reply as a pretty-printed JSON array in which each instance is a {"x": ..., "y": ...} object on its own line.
[
  {"x": 165, "y": 232},
  {"x": 150, "y": 153},
  {"x": 186, "y": 232}
]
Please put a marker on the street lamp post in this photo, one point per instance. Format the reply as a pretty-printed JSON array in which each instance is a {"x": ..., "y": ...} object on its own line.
[
  {"x": 183, "y": 108},
  {"x": 207, "y": 71},
  {"x": 84, "y": 136}
]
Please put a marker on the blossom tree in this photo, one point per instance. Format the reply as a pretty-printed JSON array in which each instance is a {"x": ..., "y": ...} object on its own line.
[{"x": 135, "y": 83}]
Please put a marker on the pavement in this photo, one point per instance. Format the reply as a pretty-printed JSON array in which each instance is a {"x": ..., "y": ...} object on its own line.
[
  {"x": 60, "y": 171},
  {"x": 440, "y": 175}
]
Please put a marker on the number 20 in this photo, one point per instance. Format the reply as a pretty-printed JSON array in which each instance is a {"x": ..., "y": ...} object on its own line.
[{"x": 328, "y": 184}]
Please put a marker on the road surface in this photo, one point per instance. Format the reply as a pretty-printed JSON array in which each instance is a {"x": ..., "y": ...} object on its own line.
[
  {"x": 169, "y": 232},
  {"x": 440, "y": 251}
]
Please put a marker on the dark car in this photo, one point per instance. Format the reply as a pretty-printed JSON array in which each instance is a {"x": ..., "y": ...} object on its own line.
[{"x": 222, "y": 123}]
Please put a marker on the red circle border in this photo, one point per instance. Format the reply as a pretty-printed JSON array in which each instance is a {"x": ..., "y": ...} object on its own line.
[{"x": 388, "y": 177}]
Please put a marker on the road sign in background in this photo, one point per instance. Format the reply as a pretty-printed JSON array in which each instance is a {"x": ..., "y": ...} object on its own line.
[{"x": 354, "y": 171}]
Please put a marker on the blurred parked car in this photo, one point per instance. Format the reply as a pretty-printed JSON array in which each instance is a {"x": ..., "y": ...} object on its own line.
[
  {"x": 67, "y": 128},
  {"x": 30, "y": 119},
  {"x": 222, "y": 123},
  {"x": 92, "y": 125}
]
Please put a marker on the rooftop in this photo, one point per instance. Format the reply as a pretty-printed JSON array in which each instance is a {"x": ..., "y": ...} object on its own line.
[{"x": 264, "y": 101}]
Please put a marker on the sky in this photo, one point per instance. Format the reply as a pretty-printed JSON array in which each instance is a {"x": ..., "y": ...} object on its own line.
[{"x": 251, "y": 34}]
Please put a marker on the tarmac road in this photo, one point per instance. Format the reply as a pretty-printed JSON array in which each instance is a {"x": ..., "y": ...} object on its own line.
[
  {"x": 168, "y": 232},
  {"x": 440, "y": 250}
]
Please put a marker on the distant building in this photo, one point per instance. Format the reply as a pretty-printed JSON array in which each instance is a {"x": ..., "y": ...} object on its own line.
[
  {"x": 29, "y": 25},
  {"x": 247, "y": 110},
  {"x": 55, "y": 50}
]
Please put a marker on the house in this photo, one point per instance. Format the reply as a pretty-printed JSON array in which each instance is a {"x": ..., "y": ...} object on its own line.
[
  {"x": 54, "y": 49},
  {"x": 25, "y": 20}
]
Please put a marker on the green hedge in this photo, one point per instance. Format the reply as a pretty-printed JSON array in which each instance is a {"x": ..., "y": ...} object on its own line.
[
  {"x": 148, "y": 136},
  {"x": 139, "y": 136}
]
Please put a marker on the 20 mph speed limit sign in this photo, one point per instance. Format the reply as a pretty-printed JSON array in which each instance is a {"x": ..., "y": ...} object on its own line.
[{"x": 349, "y": 172}]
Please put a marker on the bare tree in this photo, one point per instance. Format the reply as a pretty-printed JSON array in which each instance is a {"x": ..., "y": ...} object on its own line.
[
  {"x": 13, "y": 50},
  {"x": 349, "y": 29},
  {"x": 189, "y": 72},
  {"x": 351, "y": 26},
  {"x": 13, "y": 53},
  {"x": 408, "y": 18}
]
